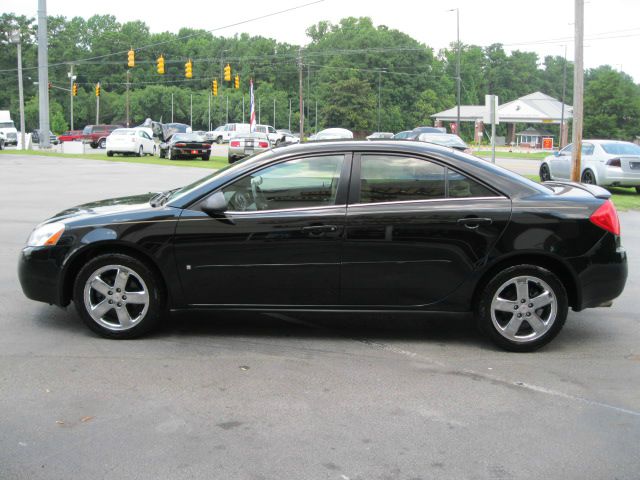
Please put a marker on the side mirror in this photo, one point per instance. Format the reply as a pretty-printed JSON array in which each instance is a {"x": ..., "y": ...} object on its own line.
[{"x": 215, "y": 205}]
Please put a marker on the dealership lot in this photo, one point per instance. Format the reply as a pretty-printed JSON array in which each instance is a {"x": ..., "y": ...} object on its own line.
[{"x": 304, "y": 396}]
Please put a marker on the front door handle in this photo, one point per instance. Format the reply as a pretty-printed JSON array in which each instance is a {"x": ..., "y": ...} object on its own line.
[
  {"x": 315, "y": 229},
  {"x": 474, "y": 222}
]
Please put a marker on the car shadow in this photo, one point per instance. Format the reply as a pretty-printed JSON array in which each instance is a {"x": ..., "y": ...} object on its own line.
[{"x": 438, "y": 328}]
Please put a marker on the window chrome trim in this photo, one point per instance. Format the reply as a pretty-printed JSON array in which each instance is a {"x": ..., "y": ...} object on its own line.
[
  {"x": 297, "y": 209},
  {"x": 429, "y": 200}
]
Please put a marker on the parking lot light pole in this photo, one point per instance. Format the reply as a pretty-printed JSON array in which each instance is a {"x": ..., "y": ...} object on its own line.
[
  {"x": 15, "y": 38},
  {"x": 457, "y": 10},
  {"x": 72, "y": 78}
]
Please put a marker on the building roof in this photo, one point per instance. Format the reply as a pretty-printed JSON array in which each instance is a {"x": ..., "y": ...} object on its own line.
[
  {"x": 536, "y": 132},
  {"x": 536, "y": 107}
]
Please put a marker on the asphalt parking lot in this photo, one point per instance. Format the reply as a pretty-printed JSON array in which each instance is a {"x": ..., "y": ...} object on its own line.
[{"x": 300, "y": 397}]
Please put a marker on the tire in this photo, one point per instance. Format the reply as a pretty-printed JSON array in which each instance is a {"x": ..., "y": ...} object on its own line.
[
  {"x": 93, "y": 145},
  {"x": 588, "y": 177},
  {"x": 205, "y": 158},
  {"x": 102, "y": 143},
  {"x": 500, "y": 303},
  {"x": 97, "y": 284},
  {"x": 637, "y": 189},
  {"x": 153, "y": 154},
  {"x": 545, "y": 174},
  {"x": 171, "y": 155},
  {"x": 231, "y": 159},
  {"x": 109, "y": 153},
  {"x": 140, "y": 152},
  {"x": 219, "y": 140}
]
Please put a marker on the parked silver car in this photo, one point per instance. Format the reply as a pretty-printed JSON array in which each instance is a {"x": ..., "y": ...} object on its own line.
[
  {"x": 245, "y": 144},
  {"x": 604, "y": 162}
]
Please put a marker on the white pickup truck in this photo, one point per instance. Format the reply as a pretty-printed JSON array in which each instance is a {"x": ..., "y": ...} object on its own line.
[{"x": 8, "y": 128}]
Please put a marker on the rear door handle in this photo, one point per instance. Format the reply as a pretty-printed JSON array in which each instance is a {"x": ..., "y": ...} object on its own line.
[
  {"x": 474, "y": 222},
  {"x": 320, "y": 228}
]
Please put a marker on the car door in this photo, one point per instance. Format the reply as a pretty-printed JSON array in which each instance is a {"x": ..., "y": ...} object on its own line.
[
  {"x": 560, "y": 164},
  {"x": 279, "y": 242},
  {"x": 416, "y": 230},
  {"x": 588, "y": 156}
]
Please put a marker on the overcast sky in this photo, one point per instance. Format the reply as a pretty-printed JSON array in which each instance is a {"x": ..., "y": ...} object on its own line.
[{"x": 612, "y": 27}]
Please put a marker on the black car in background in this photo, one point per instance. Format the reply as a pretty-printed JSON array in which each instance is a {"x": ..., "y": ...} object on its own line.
[
  {"x": 186, "y": 145},
  {"x": 338, "y": 226}
]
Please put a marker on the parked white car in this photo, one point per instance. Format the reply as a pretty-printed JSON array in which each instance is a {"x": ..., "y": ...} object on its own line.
[
  {"x": 130, "y": 141},
  {"x": 333, "y": 134},
  {"x": 275, "y": 137},
  {"x": 609, "y": 163}
]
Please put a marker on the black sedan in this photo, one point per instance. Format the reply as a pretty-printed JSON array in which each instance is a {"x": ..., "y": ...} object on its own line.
[
  {"x": 338, "y": 226},
  {"x": 186, "y": 145}
]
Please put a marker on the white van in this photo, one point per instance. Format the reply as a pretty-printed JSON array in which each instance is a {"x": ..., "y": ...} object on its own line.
[{"x": 8, "y": 128}]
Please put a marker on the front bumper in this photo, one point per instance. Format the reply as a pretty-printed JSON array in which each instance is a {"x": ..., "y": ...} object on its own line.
[{"x": 39, "y": 272}]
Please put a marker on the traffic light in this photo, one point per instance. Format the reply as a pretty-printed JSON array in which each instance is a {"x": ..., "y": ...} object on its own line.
[
  {"x": 214, "y": 88},
  {"x": 188, "y": 69},
  {"x": 160, "y": 65},
  {"x": 237, "y": 83},
  {"x": 97, "y": 89},
  {"x": 227, "y": 73},
  {"x": 74, "y": 89},
  {"x": 131, "y": 58}
]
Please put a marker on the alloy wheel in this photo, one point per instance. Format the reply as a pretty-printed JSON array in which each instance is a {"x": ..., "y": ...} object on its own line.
[
  {"x": 524, "y": 309},
  {"x": 116, "y": 297}
]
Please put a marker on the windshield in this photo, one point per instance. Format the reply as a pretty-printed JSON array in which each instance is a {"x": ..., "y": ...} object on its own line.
[
  {"x": 7, "y": 125},
  {"x": 621, "y": 148},
  {"x": 187, "y": 137}
]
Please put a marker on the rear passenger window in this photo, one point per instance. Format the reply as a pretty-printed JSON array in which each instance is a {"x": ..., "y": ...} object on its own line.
[{"x": 397, "y": 179}]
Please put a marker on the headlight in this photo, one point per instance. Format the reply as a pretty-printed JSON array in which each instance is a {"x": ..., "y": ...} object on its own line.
[{"x": 48, "y": 234}]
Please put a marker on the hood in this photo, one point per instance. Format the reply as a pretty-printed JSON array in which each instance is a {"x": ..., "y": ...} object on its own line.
[{"x": 105, "y": 207}]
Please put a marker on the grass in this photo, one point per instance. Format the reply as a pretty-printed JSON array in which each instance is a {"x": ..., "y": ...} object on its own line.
[
  {"x": 213, "y": 163},
  {"x": 623, "y": 198}
]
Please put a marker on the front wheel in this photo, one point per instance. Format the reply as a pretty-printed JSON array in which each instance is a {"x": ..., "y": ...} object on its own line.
[
  {"x": 102, "y": 143},
  {"x": 109, "y": 153},
  {"x": 118, "y": 297},
  {"x": 545, "y": 174},
  {"x": 140, "y": 152},
  {"x": 588, "y": 177},
  {"x": 522, "y": 308},
  {"x": 219, "y": 140}
]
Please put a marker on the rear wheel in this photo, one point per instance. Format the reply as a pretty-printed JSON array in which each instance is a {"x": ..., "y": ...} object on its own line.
[
  {"x": 231, "y": 158},
  {"x": 205, "y": 158},
  {"x": 171, "y": 155},
  {"x": 117, "y": 296},
  {"x": 102, "y": 143},
  {"x": 522, "y": 308},
  {"x": 545, "y": 174},
  {"x": 140, "y": 152},
  {"x": 588, "y": 177},
  {"x": 109, "y": 153}
]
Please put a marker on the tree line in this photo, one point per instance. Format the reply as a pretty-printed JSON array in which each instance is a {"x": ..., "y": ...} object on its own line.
[{"x": 357, "y": 75}]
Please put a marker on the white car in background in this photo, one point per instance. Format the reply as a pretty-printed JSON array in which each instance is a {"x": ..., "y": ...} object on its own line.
[
  {"x": 333, "y": 134},
  {"x": 609, "y": 163},
  {"x": 135, "y": 141}
]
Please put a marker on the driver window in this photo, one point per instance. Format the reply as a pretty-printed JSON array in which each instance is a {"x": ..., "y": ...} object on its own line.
[{"x": 303, "y": 183}]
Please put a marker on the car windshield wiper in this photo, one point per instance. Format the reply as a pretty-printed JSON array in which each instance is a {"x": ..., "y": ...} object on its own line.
[{"x": 160, "y": 198}]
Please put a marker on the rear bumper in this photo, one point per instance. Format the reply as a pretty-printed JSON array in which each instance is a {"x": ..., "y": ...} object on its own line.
[
  {"x": 602, "y": 273},
  {"x": 612, "y": 176},
  {"x": 188, "y": 152}
]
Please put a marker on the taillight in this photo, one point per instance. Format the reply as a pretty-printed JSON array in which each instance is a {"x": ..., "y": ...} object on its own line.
[
  {"x": 181, "y": 144},
  {"x": 614, "y": 162},
  {"x": 235, "y": 143},
  {"x": 606, "y": 217},
  {"x": 263, "y": 144}
]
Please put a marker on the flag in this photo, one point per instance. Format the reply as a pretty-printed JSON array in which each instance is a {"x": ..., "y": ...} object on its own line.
[{"x": 252, "y": 110}]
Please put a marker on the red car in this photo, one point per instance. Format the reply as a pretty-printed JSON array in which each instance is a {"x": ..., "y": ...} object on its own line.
[
  {"x": 96, "y": 135},
  {"x": 71, "y": 136}
]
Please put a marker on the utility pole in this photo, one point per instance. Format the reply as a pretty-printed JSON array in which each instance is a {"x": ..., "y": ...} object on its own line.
[
  {"x": 300, "y": 95},
  {"x": 191, "y": 112},
  {"x": 72, "y": 78},
  {"x": 171, "y": 107},
  {"x": 578, "y": 83},
  {"x": 379, "y": 83},
  {"x": 209, "y": 122},
  {"x": 316, "y": 129},
  {"x": 274, "y": 112},
  {"x": 564, "y": 89},
  {"x": 243, "y": 118},
  {"x": 458, "y": 79},
  {"x": 227, "y": 96},
  {"x": 43, "y": 74},
  {"x": 128, "y": 74},
  {"x": 15, "y": 38},
  {"x": 259, "y": 108},
  {"x": 289, "y": 114},
  {"x": 308, "y": 103}
]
